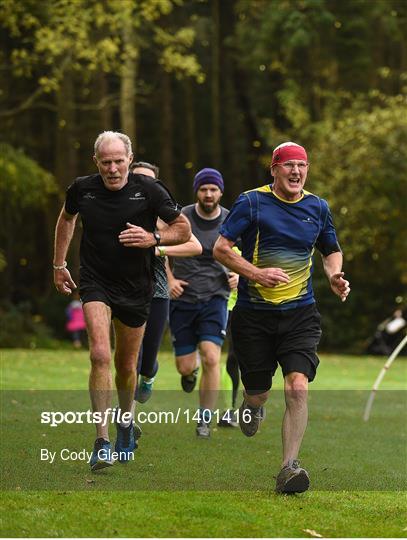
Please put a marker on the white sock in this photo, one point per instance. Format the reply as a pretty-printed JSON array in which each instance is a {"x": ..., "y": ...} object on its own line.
[{"x": 126, "y": 424}]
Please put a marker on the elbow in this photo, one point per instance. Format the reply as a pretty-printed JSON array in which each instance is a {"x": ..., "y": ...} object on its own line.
[
  {"x": 186, "y": 233},
  {"x": 219, "y": 253}
]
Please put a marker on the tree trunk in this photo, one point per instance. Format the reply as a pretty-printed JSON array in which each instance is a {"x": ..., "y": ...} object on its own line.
[
  {"x": 167, "y": 129},
  {"x": 66, "y": 151},
  {"x": 66, "y": 157},
  {"x": 128, "y": 79},
  {"x": 191, "y": 144},
  {"x": 215, "y": 86},
  {"x": 102, "y": 91}
]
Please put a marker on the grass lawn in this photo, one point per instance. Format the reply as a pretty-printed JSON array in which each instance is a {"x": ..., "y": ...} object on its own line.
[{"x": 181, "y": 486}]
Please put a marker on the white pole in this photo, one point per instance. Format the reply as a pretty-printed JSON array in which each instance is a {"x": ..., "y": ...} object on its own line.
[{"x": 382, "y": 373}]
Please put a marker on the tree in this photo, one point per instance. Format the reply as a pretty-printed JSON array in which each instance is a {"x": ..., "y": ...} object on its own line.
[
  {"x": 358, "y": 164},
  {"x": 26, "y": 192}
]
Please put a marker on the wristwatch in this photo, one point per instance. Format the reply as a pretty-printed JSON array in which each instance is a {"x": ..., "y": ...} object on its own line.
[{"x": 157, "y": 237}]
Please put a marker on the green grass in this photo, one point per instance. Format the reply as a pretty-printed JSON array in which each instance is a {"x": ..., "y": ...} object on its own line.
[{"x": 184, "y": 487}]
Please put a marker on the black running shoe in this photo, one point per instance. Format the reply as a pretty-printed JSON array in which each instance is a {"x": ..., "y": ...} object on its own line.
[
  {"x": 292, "y": 478},
  {"x": 188, "y": 382},
  {"x": 250, "y": 418}
]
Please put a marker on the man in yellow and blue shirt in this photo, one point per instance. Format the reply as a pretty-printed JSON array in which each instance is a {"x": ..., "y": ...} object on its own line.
[{"x": 275, "y": 320}]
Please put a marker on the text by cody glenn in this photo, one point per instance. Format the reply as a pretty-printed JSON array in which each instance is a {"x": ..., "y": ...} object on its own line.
[{"x": 82, "y": 455}]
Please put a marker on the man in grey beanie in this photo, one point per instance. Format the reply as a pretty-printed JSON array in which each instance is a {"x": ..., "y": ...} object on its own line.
[{"x": 199, "y": 289}]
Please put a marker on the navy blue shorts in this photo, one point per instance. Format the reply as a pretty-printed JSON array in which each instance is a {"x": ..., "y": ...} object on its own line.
[{"x": 193, "y": 323}]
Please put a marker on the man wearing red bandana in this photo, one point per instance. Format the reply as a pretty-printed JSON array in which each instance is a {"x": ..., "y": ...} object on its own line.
[{"x": 275, "y": 321}]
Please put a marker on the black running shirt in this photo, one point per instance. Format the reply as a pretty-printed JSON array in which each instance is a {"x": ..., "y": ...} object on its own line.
[{"x": 122, "y": 270}]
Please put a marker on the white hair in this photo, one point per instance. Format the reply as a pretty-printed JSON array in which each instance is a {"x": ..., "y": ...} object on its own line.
[
  {"x": 289, "y": 143},
  {"x": 112, "y": 135}
]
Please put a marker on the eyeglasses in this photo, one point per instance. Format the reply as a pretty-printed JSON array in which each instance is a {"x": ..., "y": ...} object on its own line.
[{"x": 290, "y": 165}]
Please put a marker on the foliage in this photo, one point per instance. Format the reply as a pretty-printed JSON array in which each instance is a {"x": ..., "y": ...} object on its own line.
[
  {"x": 86, "y": 36},
  {"x": 23, "y": 183},
  {"x": 26, "y": 194},
  {"x": 358, "y": 165},
  {"x": 19, "y": 328}
]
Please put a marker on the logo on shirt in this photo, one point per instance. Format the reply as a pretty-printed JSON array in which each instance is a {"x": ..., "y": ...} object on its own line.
[
  {"x": 137, "y": 197},
  {"x": 89, "y": 196}
]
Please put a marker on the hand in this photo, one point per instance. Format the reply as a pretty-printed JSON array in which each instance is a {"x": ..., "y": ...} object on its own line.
[
  {"x": 339, "y": 285},
  {"x": 176, "y": 287},
  {"x": 270, "y": 277},
  {"x": 233, "y": 280},
  {"x": 63, "y": 282},
  {"x": 135, "y": 236}
]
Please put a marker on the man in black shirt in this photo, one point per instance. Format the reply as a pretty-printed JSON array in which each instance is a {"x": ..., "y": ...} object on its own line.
[{"x": 119, "y": 211}]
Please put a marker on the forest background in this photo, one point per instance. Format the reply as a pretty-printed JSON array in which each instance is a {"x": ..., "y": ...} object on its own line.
[{"x": 198, "y": 83}]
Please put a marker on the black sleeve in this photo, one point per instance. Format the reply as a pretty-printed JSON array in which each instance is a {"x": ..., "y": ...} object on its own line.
[
  {"x": 71, "y": 201},
  {"x": 163, "y": 202}
]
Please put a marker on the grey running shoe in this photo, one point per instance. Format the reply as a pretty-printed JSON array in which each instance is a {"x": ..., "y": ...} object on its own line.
[
  {"x": 292, "y": 478},
  {"x": 203, "y": 430},
  {"x": 144, "y": 389},
  {"x": 250, "y": 418},
  {"x": 228, "y": 419},
  {"x": 188, "y": 382}
]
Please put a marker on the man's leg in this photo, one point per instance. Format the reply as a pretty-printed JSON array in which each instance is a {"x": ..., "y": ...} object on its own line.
[
  {"x": 155, "y": 327},
  {"x": 210, "y": 378},
  {"x": 148, "y": 364},
  {"x": 187, "y": 366},
  {"x": 182, "y": 326},
  {"x": 232, "y": 368},
  {"x": 292, "y": 478},
  {"x": 98, "y": 318},
  {"x": 251, "y": 412},
  {"x": 128, "y": 341},
  {"x": 296, "y": 414}
]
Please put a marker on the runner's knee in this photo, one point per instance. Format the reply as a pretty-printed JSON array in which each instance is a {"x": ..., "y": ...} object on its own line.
[
  {"x": 185, "y": 366},
  {"x": 100, "y": 356},
  {"x": 210, "y": 361}
]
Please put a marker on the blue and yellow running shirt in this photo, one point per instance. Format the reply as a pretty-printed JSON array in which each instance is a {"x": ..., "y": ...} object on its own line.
[{"x": 280, "y": 234}]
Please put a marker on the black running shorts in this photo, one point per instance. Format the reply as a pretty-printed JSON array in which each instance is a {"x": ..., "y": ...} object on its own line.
[
  {"x": 262, "y": 339},
  {"x": 131, "y": 312}
]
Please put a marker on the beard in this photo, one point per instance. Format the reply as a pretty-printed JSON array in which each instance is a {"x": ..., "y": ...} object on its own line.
[{"x": 207, "y": 207}]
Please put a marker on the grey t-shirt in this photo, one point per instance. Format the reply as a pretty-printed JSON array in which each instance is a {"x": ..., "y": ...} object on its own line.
[{"x": 206, "y": 277}]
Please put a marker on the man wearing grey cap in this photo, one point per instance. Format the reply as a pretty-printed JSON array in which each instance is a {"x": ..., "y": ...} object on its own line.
[{"x": 199, "y": 289}]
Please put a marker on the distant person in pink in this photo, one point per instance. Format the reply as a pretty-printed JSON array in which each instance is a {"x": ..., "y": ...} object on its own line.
[{"x": 75, "y": 325}]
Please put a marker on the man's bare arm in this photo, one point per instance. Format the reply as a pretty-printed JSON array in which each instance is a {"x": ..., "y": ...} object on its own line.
[
  {"x": 177, "y": 232},
  {"x": 63, "y": 235},
  {"x": 268, "y": 277},
  {"x": 333, "y": 270}
]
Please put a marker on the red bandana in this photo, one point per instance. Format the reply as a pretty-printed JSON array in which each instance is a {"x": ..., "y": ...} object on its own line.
[{"x": 287, "y": 152}]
